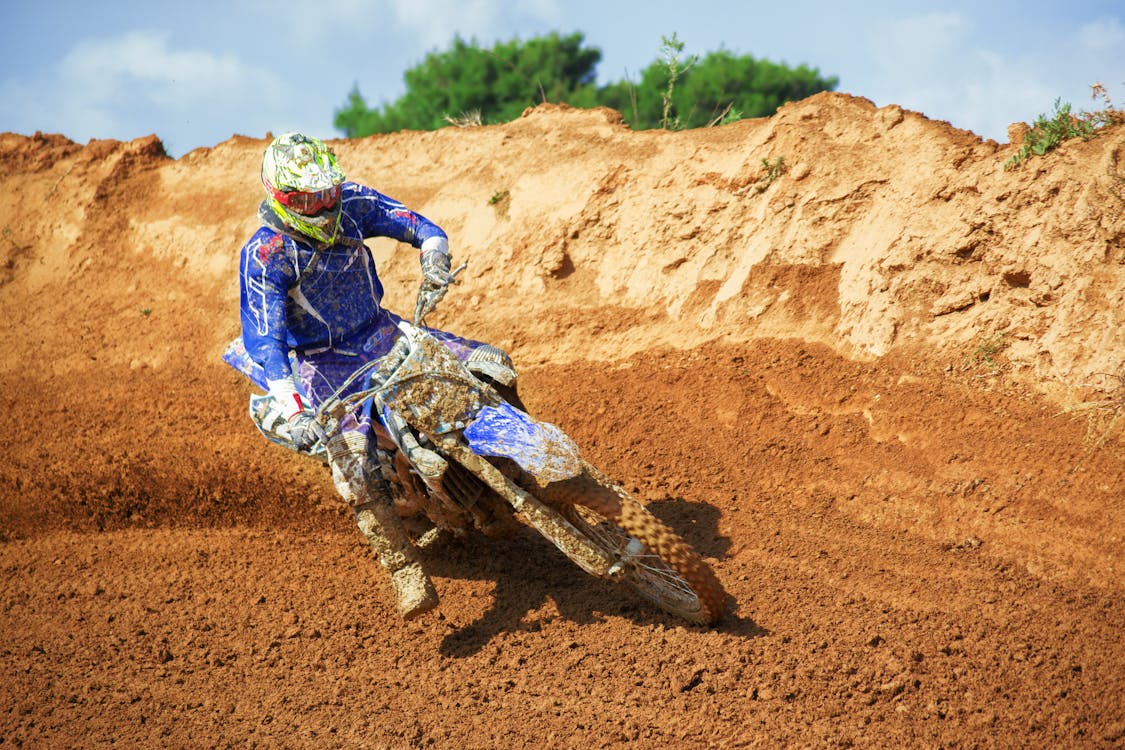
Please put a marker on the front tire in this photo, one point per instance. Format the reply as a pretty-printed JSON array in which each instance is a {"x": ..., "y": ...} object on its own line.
[{"x": 653, "y": 560}]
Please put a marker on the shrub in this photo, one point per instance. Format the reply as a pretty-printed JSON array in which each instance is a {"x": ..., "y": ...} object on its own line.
[{"x": 1048, "y": 132}]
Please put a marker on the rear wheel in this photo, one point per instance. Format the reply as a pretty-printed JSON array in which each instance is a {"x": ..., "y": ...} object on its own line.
[{"x": 651, "y": 558}]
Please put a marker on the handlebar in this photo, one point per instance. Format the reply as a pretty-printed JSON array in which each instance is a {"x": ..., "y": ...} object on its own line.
[
  {"x": 430, "y": 296},
  {"x": 381, "y": 369}
]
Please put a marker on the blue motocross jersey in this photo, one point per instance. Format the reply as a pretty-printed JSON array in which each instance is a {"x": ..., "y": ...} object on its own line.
[{"x": 336, "y": 298}]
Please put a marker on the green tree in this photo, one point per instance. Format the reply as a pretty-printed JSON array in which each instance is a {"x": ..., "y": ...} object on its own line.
[
  {"x": 497, "y": 83},
  {"x": 718, "y": 85}
]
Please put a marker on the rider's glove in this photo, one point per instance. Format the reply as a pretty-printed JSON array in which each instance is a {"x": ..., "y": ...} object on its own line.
[
  {"x": 436, "y": 276},
  {"x": 305, "y": 431},
  {"x": 436, "y": 263}
]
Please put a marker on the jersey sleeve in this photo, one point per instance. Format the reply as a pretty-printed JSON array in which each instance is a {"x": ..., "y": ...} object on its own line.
[
  {"x": 267, "y": 273},
  {"x": 378, "y": 215}
]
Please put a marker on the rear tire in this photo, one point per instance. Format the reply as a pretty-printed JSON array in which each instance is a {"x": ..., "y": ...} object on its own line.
[{"x": 666, "y": 572}]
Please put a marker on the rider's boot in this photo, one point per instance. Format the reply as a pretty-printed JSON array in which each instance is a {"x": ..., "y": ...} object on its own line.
[
  {"x": 361, "y": 484},
  {"x": 383, "y": 529}
]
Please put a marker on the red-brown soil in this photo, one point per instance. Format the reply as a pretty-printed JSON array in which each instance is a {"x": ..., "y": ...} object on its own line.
[{"x": 878, "y": 393}]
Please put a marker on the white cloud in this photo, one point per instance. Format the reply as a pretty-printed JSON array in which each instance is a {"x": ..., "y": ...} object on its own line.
[
  {"x": 140, "y": 64},
  {"x": 434, "y": 22},
  {"x": 922, "y": 40},
  {"x": 1106, "y": 35},
  {"x": 134, "y": 84},
  {"x": 1099, "y": 57},
  {"x": 938, "y": 65}
]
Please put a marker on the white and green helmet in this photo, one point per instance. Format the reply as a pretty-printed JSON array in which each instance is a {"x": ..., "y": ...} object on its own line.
[{"x": 302, "y": 181}]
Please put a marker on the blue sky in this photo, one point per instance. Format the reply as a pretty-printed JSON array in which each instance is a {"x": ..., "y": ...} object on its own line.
[{"x": 195, "y": 73}]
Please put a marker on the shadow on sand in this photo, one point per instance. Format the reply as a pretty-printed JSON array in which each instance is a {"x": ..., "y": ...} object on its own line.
[{"x": 529, "y": 573}]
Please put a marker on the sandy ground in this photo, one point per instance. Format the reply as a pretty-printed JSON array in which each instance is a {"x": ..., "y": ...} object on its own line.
[{"x": 878, "y": 393}]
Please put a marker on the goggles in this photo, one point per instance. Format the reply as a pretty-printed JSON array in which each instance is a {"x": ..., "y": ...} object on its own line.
[{"x": 308, "y": 203}]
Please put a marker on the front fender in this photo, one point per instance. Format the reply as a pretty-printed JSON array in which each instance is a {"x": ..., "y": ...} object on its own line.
[{"x": 540, "y": 448}]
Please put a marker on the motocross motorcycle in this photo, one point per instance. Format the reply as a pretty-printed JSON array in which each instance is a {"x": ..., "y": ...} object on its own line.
[{"x": 458, "y": 457}]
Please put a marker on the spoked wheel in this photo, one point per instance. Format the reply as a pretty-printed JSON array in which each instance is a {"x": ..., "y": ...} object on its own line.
[{"x": 651, "y": 558}]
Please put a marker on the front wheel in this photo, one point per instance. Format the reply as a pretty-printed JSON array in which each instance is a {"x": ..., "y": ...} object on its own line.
[{"x": 651, "y": 559}]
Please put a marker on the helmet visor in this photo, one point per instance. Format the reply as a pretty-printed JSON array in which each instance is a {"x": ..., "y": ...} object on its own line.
[{"x": 308, "y": 204}]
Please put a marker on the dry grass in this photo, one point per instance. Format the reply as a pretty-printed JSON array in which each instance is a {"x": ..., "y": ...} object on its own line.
[
  {"x": 465, "y": 119},
  {"x": 1103, "y": 415}
]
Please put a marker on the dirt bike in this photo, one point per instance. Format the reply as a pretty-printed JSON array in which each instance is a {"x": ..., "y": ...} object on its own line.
[{"x": 458, "y": 456}]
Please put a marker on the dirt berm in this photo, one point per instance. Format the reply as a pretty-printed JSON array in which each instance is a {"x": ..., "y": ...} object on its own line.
[{"x": 868, "y": 372}]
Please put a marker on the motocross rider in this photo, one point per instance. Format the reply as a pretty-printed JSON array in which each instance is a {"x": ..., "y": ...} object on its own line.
[{"x": 311, "y": 314}]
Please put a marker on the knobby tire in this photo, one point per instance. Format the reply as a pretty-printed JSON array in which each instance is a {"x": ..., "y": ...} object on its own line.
[{"x": 668, "y": 573}]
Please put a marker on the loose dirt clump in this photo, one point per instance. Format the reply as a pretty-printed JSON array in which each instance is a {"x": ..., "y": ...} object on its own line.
[{"x": 880, "y": 395}]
